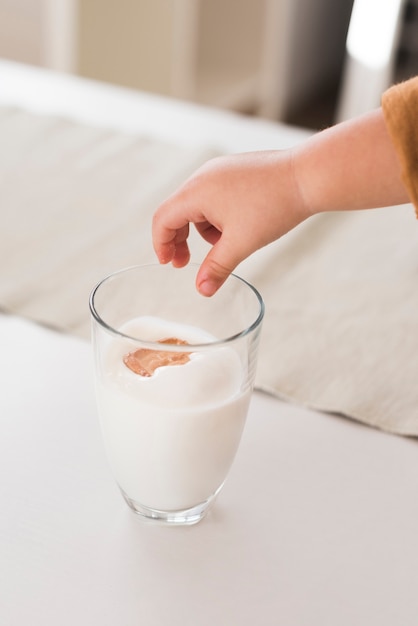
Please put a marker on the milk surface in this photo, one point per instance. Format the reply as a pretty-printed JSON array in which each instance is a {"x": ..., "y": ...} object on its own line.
[{"x": 171, "y": 438}]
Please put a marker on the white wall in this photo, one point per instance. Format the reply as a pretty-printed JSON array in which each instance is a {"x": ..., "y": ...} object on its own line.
[{"x": 112, "y": 39}]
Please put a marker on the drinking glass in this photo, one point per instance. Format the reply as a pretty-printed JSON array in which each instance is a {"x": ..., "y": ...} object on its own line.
[{"x": 174, "y": 372}]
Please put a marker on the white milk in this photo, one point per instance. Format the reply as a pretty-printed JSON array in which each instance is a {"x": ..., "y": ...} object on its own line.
[{"x": 171, "y": 438}]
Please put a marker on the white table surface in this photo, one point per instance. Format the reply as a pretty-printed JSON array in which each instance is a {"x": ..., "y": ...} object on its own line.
[{"x": 317, "y": 522}]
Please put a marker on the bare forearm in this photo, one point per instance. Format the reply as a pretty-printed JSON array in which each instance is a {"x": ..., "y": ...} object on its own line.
[{"x": 350, "y": 166}]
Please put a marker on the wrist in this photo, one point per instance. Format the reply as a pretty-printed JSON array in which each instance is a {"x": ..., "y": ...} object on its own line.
[{"x": 301, "y": 174}]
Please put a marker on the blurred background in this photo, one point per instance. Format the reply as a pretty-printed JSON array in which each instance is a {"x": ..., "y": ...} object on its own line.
[{"x": 285, "y": 60}]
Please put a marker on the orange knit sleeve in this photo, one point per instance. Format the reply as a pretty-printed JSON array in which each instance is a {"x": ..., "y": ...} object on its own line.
[{"x": 400, "y": 110}]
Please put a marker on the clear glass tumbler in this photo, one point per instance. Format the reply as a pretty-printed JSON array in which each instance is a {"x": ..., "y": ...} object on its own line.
[{"x": 174, "y": 375}]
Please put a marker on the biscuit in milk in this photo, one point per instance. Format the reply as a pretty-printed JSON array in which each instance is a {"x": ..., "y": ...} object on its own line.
[{"x": 145, "y": 361}]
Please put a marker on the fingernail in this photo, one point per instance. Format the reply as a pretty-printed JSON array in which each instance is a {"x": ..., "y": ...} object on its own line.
[{"x": 207, "y": 287}]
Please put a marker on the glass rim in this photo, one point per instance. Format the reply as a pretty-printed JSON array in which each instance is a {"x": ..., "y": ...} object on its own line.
[{"x": 172, "y": 347}]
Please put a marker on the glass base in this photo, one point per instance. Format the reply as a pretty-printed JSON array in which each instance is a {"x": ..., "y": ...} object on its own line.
[{"x": 185, "y": 517}]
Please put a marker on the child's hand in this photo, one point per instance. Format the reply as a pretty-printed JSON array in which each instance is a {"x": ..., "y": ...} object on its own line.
[
  {"x": 238, "y": 204},
  {"x": 241, "y": 203}
]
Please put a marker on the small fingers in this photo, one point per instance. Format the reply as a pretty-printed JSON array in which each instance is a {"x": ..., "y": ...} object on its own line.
[
  {"x": 181, "y": 255},
  {"x": 170, "y": 241}
]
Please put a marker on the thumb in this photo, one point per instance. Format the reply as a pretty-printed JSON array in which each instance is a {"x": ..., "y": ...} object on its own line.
[{"x": 216, "y": 267}]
